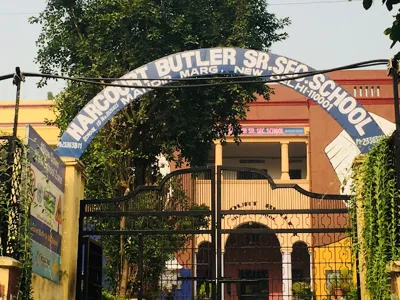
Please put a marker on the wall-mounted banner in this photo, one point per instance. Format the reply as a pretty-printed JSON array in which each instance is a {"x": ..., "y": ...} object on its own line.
[
  {"x": 247, "y": 130},
  {"x": 334, "y": 99},
  {"x": 48, "y": 172}
]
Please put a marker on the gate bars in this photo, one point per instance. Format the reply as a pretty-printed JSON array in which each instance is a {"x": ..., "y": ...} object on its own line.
[{"x": 225, "y": 233}]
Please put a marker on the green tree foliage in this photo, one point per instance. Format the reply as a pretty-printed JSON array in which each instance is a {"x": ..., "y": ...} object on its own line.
[
  {"x": 389, "y": 3},
  {"x": 394, "y": 31},
  {"x": 109, "y": 38},
  {"x": 374, "y": 185},
  {"x": 50, "y": 96},
  {"x": 101, "y": 38},
  {"x": 157, "y": 249}
]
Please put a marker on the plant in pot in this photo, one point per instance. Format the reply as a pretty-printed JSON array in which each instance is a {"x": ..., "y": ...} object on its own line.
[
  {"x": 302, "y": 291},
  {"x": 334, "y": 284},
  {"x": 203, "y": 293},
  {"x": 340, "y": 284}
]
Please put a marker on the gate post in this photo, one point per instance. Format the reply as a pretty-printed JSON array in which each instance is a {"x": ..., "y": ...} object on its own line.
[
  {"x": 74, "y": 192},
  {"x": 217, "y": 286}
]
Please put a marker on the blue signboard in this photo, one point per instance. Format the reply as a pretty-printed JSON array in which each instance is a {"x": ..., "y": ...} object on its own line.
[
  {"x": 45, "y": 262},
  {"x": 48, "y": 172},
  {"x": 334, "y": 99},
  {"x": 255, "y": 130}
]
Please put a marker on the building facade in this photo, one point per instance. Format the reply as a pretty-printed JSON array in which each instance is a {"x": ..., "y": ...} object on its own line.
[{"x": 295, "y": 142}]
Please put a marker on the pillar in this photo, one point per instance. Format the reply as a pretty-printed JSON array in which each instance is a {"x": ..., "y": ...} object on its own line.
[
  {"x": 308, "y": 153},
  {"x": 311, "y": 269},
  {"x": 287, "y": 275},
  {"x": 218, "y": 154},
  {"x": 195, "y": 272},
  {"x": 10, "y": 271},
  {"x": 394, "y": 268},
  {"x": 285, "y": 161},
  {"x": 74, "y": 192}
]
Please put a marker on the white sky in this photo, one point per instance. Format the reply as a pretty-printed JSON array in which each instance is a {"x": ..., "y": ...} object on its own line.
[{"x": 323, "y": 34}]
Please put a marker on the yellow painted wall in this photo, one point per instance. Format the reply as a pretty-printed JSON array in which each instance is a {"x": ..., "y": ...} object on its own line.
[
  {"x": 332, "y": 257},
  {"x": 258, "y": 195},
  {"x": 35, "y": 113},
  {"x": 31, "y": 112},
  {"x": 44, "y": 289}
]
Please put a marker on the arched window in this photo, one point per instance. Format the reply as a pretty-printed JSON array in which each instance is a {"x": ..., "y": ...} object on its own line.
[
  {"x": 203, "y": 265},
  {"x": 300, "y": 263}
]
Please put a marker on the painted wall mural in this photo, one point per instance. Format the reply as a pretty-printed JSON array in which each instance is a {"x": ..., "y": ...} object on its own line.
[{"x": 342, "y": 151}]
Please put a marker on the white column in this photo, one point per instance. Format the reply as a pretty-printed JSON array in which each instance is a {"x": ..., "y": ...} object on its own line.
[
  {"x": 285, "y": 161},
  {"x": 287, "y": 275},
  {"x": 195, "y": 274},
  {"x": 311, "y": 269},
  {"x": 308, "y": 168}
]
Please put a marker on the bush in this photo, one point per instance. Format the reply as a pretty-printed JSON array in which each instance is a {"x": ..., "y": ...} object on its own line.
[{"x": 302, "y": 291}]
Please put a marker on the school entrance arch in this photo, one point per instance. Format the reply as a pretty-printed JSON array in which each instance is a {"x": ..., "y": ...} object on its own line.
[
  {"x": 317, "y": 222},
  {"x": 334, "y": 99}
]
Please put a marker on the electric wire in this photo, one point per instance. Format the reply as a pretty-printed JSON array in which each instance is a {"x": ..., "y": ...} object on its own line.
[
  {"x": 7, "y": 76},
  {"x": 236, "y": 80},
  {"x": 233, "y": 76}
]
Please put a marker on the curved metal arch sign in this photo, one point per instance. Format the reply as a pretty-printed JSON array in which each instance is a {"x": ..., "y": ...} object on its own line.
[{"x": 334, "y": 99}]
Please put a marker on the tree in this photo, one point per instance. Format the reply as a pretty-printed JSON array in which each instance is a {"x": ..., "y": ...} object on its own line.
[
  {"x": 394, "y": 31},
  {"x": 50, "y": 96},
  {"x": 107, "y": 38}
]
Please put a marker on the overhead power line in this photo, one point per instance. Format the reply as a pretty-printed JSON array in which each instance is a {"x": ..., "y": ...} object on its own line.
[
  {"x": 238, "y": 79},
  {"x": 232, "y": 80},
  {"x": 369, "y": 63}
]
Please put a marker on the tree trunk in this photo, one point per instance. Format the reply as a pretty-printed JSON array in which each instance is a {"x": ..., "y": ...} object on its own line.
[
  {"x": 140, "y": 172},
  {"x": 124, "y": 261},
  {"x": 125, "y": 267},
  {"x": 140, "y": 179}
]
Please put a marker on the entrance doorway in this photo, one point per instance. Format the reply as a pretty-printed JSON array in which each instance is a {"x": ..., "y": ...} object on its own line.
[
  {"x": 253, "y": 264},
  {"x": 254, "y": 285}
]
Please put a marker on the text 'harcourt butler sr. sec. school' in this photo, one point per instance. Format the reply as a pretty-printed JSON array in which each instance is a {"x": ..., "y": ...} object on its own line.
[{"x": 295, "y": 141}]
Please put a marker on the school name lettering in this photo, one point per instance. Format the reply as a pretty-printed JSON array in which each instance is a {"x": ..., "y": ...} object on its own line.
[
  {"x": 267, "y": 207},
  {"x": 46, "y": 236},
  {"x": 270, "y": 131},
  {"x": 48, "y": 161},
  {"x": 323, "y": 91},
  {"x": 319, "y": 88},
  {"x": 41, "y": 258}
]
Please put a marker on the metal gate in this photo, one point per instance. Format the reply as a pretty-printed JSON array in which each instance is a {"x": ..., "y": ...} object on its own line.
[{"x": 223, "y": 233}]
